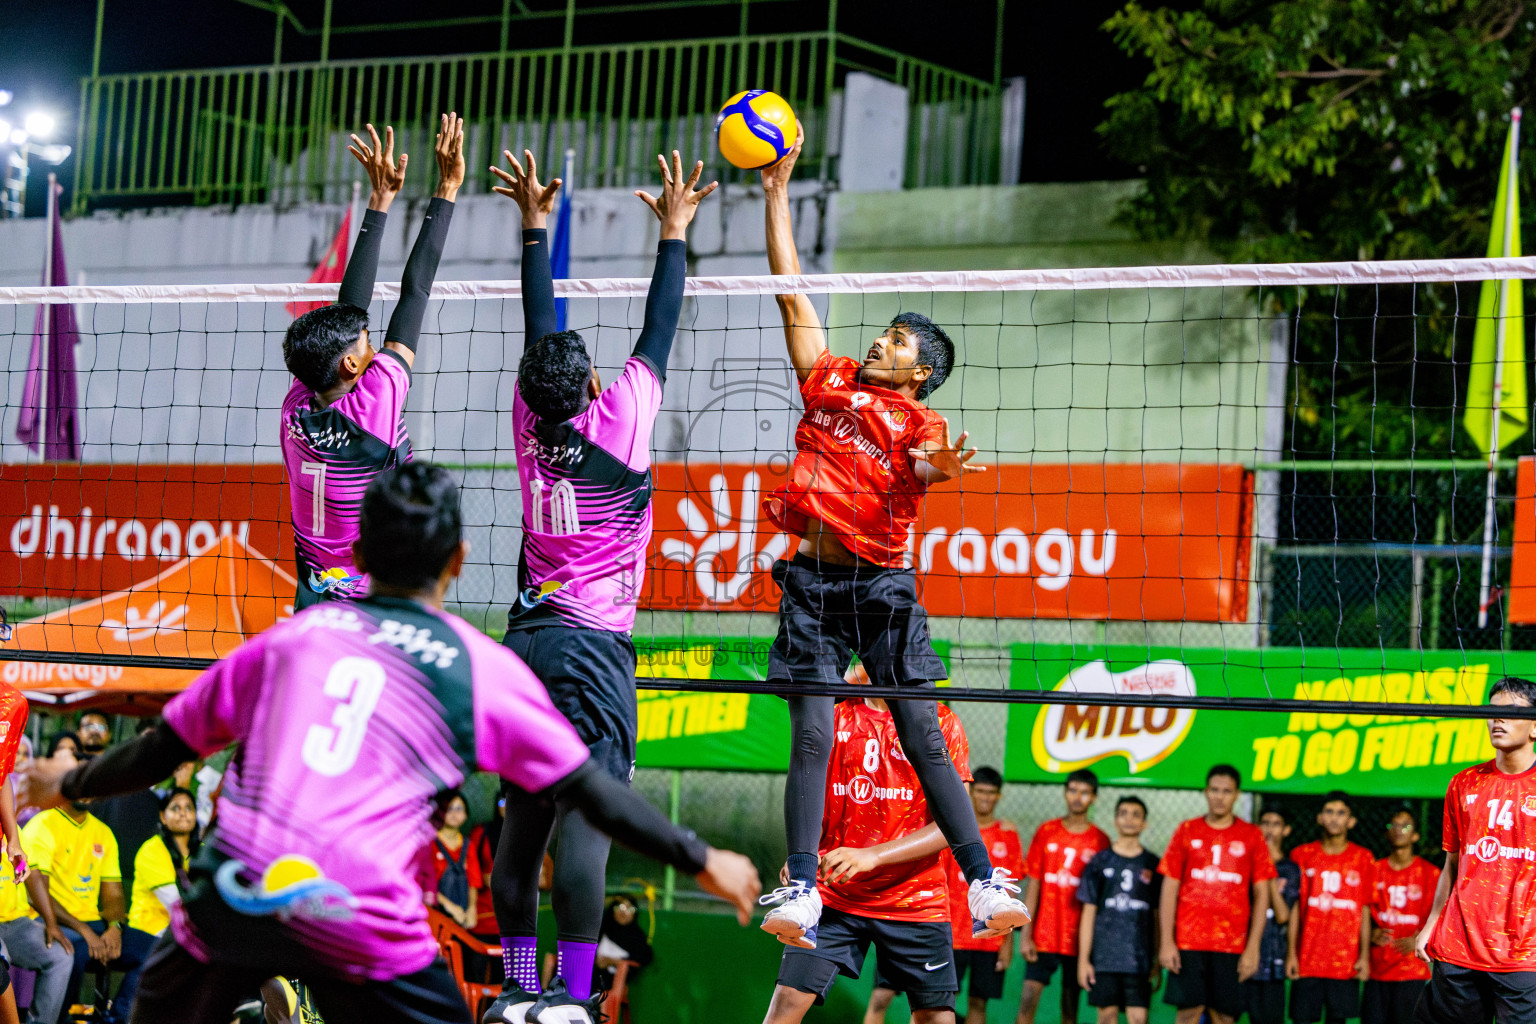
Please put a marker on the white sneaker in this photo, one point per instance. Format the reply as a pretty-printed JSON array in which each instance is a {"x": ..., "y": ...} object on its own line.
[
  {"x": 994, "y": 911},
  {"x": 795, "y": 918}
]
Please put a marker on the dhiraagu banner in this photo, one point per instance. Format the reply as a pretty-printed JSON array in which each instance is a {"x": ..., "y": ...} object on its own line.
[{"x": 1294, "y": 752}]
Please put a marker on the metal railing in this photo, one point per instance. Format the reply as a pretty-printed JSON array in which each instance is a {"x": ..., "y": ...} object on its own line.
[{"x": 277, "y": 133}]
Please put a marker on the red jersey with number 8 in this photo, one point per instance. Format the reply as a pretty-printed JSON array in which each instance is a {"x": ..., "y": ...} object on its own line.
[
  {"x": 852, "y": 470},
  {"x": 1215, "y": 869},
  {"x": 1490, "y": 828},
  {"x": 873, "y": 796}
]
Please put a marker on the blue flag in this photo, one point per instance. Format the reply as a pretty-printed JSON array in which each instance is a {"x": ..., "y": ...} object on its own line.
[{"x": 560, "y": 245}]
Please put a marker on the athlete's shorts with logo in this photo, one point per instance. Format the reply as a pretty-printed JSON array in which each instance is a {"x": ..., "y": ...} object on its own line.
[
  {"x": 830, "y": 612},
  {"x": 1114, "y": 988},
  {"x": 1390, "y": 1002},
  {"x": 1314, "y": 999},
  {"x": 913, "y": 957},
  {"x": 1206, "y": 979},
  {"x": 590, "y": 675},
  {"x": 1460, "y": 995}
]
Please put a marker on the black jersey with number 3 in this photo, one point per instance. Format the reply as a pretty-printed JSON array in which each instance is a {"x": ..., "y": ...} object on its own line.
[{"x": 1125, "y": 889}]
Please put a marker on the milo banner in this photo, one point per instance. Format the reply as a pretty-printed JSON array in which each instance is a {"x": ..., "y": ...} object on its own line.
[{"x": 1296, "y": 752}]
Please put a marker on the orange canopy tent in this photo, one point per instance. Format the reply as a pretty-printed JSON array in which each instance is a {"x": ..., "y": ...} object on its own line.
[{"x": 203, "y": 606}]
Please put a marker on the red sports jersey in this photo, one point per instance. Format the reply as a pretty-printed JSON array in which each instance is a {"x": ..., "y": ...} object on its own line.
[
  {"x": 1216, "y": 869},
  {"x": 873, "y": 796},
  {"x": 1400, "y": 905},
  {"x": 13, "y": 724},
  {"x": 1490, "y": 828},
  {"x": 1057, "y": 857},
  {"x": 1335, "y": 890},
  {"x": 1003, "y": 847},
  {"x": 852, "y": 470}
]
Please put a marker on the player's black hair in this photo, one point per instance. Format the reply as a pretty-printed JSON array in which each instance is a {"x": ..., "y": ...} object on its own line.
[
  {"x": 1338, "y": 796},
  {"x": 410, "y": 525},
  {"x": 193, "y": 842},
  {"x": 316, "y": 341},
  {"x": 934, "y": 349},
  {"x": 440, "y": 806},
  {"x": 1524, "y": 689},
  {"x": 60, "y": 737},
  {"x": 96, "y": 714},
  {"x": 1227, "y": 770},
  {"x": 1279, "y": 810},
  {"x": 1131, "y": 800},
  {"x": 1083, "y": 775},
  {"x": 553, "y": 375},
  {"x": 987, "y": 777}
]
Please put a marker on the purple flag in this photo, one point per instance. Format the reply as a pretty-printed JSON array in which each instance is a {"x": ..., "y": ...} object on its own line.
[{"x": 58, "y": 415}]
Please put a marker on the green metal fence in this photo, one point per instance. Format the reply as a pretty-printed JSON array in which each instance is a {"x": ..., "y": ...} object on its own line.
[{"x": 277, "y": 133}]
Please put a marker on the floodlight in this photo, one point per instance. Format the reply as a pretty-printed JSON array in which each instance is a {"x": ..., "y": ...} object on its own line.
[{"x": 39, "y": 125}]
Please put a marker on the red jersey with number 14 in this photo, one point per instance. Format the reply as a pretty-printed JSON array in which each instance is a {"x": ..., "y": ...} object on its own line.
[
  {"x": 1005, "y": 850},
  {"x": 873, "y": 796},
  {"x": 852, "y": 470},
  {"x": 1490, "y": 828},
  {"x": 1335, "y": 888},
  {"x": 1400, "y": 904},
  {"x": 1056, "y": 858},
  {"x": 1215, "y": 869}
]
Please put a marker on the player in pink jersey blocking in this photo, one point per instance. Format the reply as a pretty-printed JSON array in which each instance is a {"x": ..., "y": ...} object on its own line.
[
  {"x": 584, "y": 464},
  {"x": 1481, "y": 934},
  {"x": 1329, "y": 938},
  {"x": 351, "y": 717},
  {"x": 1400, "y": 902},
  {"x": 343, "y": 421}
]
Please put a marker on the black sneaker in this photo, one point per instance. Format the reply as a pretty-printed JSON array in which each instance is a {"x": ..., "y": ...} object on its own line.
[
  {"x": 557, "y": 1006},
  {"x": 511, "y": 1007}
]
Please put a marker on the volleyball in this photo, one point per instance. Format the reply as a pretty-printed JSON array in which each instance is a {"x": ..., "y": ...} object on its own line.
[{"x": 756, "y": 129}]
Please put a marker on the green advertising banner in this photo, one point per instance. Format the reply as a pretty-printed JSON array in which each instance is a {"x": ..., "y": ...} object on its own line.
[{"x": 1297, "y": 752}]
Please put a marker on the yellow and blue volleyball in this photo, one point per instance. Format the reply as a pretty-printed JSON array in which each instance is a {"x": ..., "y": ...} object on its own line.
[{"x": 756, "y": 129}]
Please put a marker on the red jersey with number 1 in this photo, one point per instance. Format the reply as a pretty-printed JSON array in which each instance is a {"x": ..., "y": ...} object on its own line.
[
  {"x": 1400, "y": 903},
  {"x": 1005, "y": 850},
  {"x": 1215, "y": 869},
  {"x": 1335, "y": 889},
  {"x": 874, "y": 796},
  {"x": 1057, "y": 857},
  {"x": 1490, "y": 828}
]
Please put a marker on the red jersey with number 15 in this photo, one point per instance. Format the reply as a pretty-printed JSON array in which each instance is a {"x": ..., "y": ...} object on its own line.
[
  {"x": 873, "y": 796},
  {"x": 1005, "y": 850},
  {"x": 1335, "y": 888},
  {"x": 852, "y": 470},
  {"x": 1400, "y": 904},
  {"x": 1056, "y": 858},
  {"x": 1215, "y": 869},
  {"x": 1490, "y": 828}
]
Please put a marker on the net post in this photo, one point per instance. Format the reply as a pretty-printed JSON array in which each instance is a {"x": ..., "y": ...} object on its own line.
[{"x": 674, "y": 811}]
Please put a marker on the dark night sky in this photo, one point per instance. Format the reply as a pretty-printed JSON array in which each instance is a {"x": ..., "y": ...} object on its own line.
[{"x": 1071, "y": 66}]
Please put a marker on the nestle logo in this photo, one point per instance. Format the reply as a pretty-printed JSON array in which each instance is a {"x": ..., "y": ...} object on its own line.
[{"x": 1152, "y": 683}]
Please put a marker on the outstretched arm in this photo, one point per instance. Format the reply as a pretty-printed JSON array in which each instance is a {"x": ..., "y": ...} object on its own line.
[
  {"x": 404, "y": 330},
  {"x": 385, "y": 178},
  {"x": 536, "y": 201},
  {"x": 675, "y": 208},
  {"x": 802, "y": 327}
]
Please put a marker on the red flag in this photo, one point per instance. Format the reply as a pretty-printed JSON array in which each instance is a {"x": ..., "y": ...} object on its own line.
[{"x": 333, "y": 265}]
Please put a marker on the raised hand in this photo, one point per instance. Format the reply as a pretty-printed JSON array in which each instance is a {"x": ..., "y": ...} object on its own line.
[
  {"x": 776, "y": 176},
  {"x": 449, "y": 151},
  {"x": 535, "y": 200},
  {"x": 385, "y": 176},
  {"x": 947, "y": 461},
  {"x": 678, "y": 201}
]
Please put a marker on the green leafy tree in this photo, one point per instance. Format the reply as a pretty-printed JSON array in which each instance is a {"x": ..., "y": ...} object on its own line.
[{"x": 1303, "y": 130}]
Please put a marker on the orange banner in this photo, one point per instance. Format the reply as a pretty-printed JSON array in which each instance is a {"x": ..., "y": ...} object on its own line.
[
  {"x": 1154, "y": 542},
  {"x": 1522, "y": 572}
]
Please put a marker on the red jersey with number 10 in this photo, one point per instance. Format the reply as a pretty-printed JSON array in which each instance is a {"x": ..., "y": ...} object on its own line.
[
  {"x": 1490, "y": 828},
  {"x": 1335, "y": 888},
  {"x": 1057, "y": 858},
  {"x": 852, "y": 470},
  {"x": 1400, "y": 905},
  {"x": 1215, "y": 869},
  {"x": 873, "y": 796},
  {"x": 1005, "y": 850}
]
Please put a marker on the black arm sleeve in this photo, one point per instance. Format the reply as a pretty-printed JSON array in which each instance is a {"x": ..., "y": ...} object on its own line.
[
  {"x": 420, "y": 269},
  {"x": 623, "y": 814},
  {"x": 663, "y": 305},
  {"x": 363, "y": 266},
  {"x": 538, "y": 287},
  {"x": 135, "y": 765}
]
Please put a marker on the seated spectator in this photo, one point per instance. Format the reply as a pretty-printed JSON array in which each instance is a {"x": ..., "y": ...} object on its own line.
[
  {"x": 94, "y": 733},
  {"x": 160, "y": 871},
  {"x": 483, "y": 840},
  {"x": 65, "y": 740},
  {"x": 459, "y": 878},
  {"x": 34, "y": 941},
  {"x": 621, "y": 938},
  {"x": 77, "y": 854},
  {"x": 134, "y": 818},
  {"x": 24, "y": 812}
]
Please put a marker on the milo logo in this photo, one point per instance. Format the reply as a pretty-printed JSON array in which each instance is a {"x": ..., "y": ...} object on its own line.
[{"x": 1071, "y": 736}]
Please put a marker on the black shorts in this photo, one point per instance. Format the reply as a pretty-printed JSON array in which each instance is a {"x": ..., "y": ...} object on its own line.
[
  {"x": 1206, "y": 979},
  {"x": 1460, "y": 995},
  {"x": 829, "y": 612},
  {"x": 1044, "y": 969},
  {"x": 1112, "y": 988},
  {"x": 1390, "y": 1002},
  {"x": 981, "y": 964},
  {"x": 913, "y": 957},
  {"x": 1314, "y": 999},
  {"x": 1265, "y": 1001},
  {"x": 590, "y": 675}
]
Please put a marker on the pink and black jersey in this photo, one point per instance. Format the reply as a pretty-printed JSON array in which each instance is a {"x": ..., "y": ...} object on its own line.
[
  {"x": 352, "y": 717},
  {"x": 333, "y": 452}
]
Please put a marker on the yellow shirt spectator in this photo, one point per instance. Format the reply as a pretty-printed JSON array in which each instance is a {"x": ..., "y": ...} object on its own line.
[
  {"x": 152, "y": 869},
  {"x": 77, "y": 856},
  {"x": 13, "y": 897}
]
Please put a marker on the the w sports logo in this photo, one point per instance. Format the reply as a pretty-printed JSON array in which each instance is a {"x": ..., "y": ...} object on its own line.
[{"x": 722, "y": 550}]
